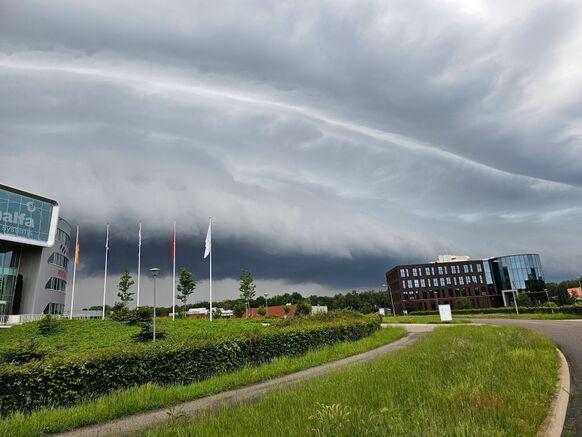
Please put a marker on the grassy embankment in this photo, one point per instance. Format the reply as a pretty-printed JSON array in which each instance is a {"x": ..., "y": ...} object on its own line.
[
  {"x": 469, "y": 380},
  {"x": 135, "y": 400}
]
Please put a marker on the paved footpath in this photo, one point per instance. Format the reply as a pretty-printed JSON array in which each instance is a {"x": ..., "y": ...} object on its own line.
[
  {"x": 139, "y": 422},
  {"x": 568, "y": 335}
]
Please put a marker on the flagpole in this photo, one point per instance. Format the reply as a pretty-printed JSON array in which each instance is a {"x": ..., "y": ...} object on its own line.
[
  {"x": 174, "y": 275},
  {"x": 210, "y": 254},
  {"x": 75, "y": 272},
  {"x": 105, "y": 277},
  {"x": 138, "y": 264}
]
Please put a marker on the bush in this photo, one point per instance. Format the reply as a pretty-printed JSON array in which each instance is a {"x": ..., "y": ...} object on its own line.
[
  {"x": 303, "y": 308},
  {"x": 65, "y": 381},
  {"x": 239, "y": 309},
  {"x": 262, "y": 311},
  {"x": 550, "y": 304},
  {"x": 48, "y": 325},
  {"x": 25, "y": 352},
  {"x": 463, "y": 304},
  {"x": 523, "y": 300}
]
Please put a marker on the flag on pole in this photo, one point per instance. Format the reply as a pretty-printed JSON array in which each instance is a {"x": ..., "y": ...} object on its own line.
[
  {"x": 208, "y": 246},
  {"x": 75, "y": 273},
  {"x": 138, "y": 263},
  {"x": 207, "y": 252},
  {"x": 174, "y": 273},
  {"x": 77, "y": 248}
]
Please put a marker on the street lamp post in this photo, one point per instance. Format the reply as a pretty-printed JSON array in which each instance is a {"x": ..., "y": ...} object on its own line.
[
  {"x": 266, "y": 305},
  {"x": 155, "y": 272},
  {"x": 391, "y": 299},
  {"x": 436, "y": 298},
  {"x": 548, "y": 299}
]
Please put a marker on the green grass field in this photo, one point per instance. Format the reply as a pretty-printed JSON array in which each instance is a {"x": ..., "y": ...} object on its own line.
[
  {"x": 555, "y": 316},
  {"x": 150, "y": 396},
  {"x": 461, "y": 381},
  {"x": 422, "y": 319},
  {"x": 79, "y": 337}
]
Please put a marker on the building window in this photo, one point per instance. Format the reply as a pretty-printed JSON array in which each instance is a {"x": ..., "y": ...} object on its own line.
[
  {"x": 448, "y": 280},
  {"x": 466, "y": 268},
  {"x": 422, "y": 283},
  {"x": 435, "y": 282},
  {"x": 427, "y": 271},
  {"x": 410, "y": 283},
  {"x": 474, "y": 279},
  {"x": 445, "y": 270},
  {"x": 416, "y": 284},
  {"x": 407, "y": 273},
  {"x": 471, "y": 267},
  {"x": 63, "y": 238},
  {"x": 402, "y": 273},
  {"x": 56, "y": 284},
  {"x": 59, "y": 260},
  {"x": 54, "y": 309},
  {"x": 432, "y": 270},
  {"x": 403, "y": 284},
  {"x": 414, "y": 272},
  {"x": 461, "y": 281},
  {"x": 442, "y": 282},
  {"x": 440, "y": 270},
  {"x": 467, "y": 280},
  {"x": 479, "y": 268},
  {"x": 455, "y": 280},
  {"x": 480, "y": 279}
]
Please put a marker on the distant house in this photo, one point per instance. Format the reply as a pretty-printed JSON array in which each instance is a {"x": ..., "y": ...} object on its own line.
[{"x": 202, "y": 313}]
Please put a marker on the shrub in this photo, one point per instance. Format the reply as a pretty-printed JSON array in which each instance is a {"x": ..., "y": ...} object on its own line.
[
  {"x": 550, "y": 304},
  {"x": 262, "y": 311},
  {"x": 303, "y": 308},
  {"x": 463, "y": 304},
  {"x": 48, "y": 325},
  {"x": 25, "y": 352},
  {"x": 239, "y": 309},
  {"x": 523, "y": 300},
  {"x": 65, "y": 381}
]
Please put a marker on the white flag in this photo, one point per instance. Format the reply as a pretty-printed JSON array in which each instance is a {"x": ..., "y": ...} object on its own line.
[{"x": 208, "y": 240}]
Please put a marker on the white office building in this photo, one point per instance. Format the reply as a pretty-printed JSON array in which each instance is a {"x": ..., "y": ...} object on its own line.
[{"x": 35, "y": 256}]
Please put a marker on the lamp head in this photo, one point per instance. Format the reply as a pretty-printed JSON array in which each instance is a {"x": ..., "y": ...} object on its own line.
[{"x": 155, "y": 271}]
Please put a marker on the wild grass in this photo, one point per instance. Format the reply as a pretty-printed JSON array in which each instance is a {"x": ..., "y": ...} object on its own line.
[
  {"x": 150, "y": 396},
  {"x": 461, "y": 381}
]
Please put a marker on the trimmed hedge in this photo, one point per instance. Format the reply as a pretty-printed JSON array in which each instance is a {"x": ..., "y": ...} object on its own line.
[
  {"x": 65, "y": 381},
  {"x": 566, "y": 309}
]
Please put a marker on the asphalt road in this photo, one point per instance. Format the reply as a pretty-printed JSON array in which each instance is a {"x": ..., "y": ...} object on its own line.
[{"x": 568, "y": 335}]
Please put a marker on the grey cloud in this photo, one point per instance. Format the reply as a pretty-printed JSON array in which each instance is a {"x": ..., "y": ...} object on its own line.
[{"x": 382, "y": 130}]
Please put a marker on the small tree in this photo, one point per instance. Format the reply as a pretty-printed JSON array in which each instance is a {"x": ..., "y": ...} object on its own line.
[
  {"x": 262, "y": 311},
  {"x": 463, "y": 304},
  {"x": 125, "y": 283},
  {"x": 239, "y": 309},
  {"x": 186, "y": 286},
  {"x": 523, "y": 300},
  {"x": 247, "y": 286},
  {"x": 303, "y": 308},
  {"x": 286, "y": 310}
]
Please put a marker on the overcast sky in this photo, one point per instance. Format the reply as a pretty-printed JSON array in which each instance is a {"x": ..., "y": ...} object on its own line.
[{"x": 328, "y": 140}]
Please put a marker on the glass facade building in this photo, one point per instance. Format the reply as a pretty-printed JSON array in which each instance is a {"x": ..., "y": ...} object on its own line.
[
  {"x": 517, "y": 272},
  {"x": 9, "y": 263}
]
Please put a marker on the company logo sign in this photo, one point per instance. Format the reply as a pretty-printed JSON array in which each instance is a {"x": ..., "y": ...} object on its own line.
[{"x": 23, "y": 218}]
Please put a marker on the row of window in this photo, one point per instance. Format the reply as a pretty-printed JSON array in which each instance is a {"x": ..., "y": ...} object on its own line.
[
  {"x": 462, "y": 292},
  {"x": 59, "y": 260},
  {"x": 422, "y": 283},
  {"x": 441, "y": 270},
  {"x": 63, "y": 237},
  {"x": 56, "y": 284}
]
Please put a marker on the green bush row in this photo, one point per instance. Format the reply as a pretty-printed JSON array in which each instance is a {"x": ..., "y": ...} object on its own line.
[
  {"x": 65, "y": 381},
  {"x": 566, "y": 309}
]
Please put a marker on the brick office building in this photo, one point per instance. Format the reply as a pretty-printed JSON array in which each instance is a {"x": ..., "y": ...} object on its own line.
[{"x": 484, "y": 283}]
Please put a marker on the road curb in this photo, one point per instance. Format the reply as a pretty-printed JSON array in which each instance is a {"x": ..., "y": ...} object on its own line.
[{"x": 554, "y": 423}]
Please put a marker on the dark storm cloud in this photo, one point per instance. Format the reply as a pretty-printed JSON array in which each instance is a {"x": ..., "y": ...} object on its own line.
[{"x": 327, "y": 140}]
